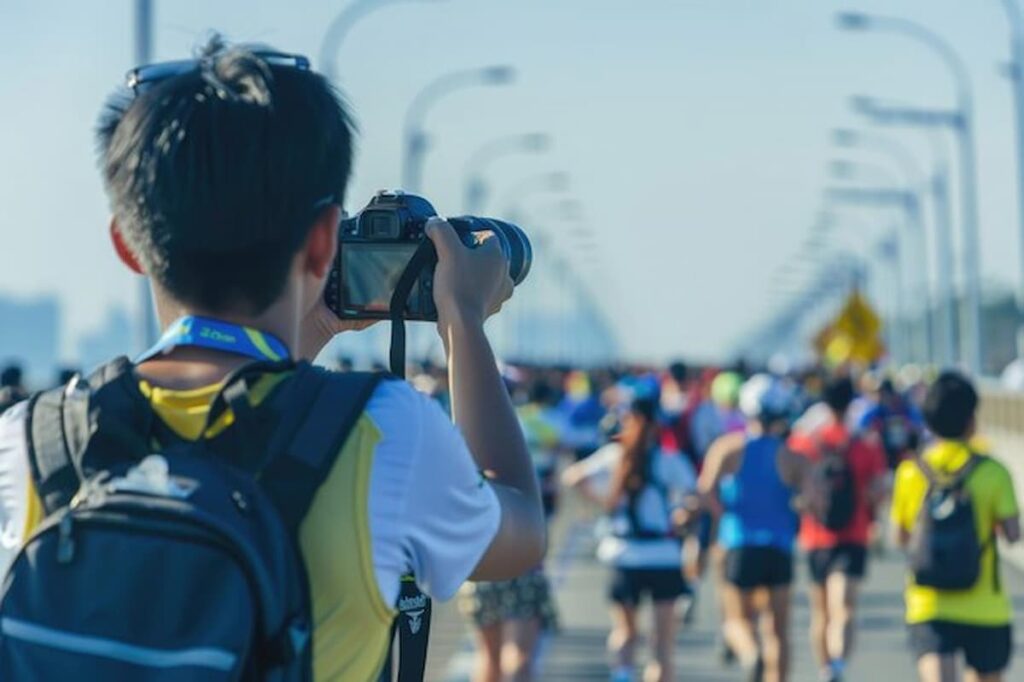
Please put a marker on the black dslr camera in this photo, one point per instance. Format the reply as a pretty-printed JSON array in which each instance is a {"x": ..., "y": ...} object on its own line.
[{"x": 376, "y": 244}]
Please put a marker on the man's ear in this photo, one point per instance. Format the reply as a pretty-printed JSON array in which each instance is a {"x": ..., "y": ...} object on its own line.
[
  {"x": 322, "y": 242},
  {"x": 122, "y": 250}
]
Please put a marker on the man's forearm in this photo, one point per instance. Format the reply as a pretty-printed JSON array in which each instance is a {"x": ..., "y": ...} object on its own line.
[{"x": 482, "y": 409}]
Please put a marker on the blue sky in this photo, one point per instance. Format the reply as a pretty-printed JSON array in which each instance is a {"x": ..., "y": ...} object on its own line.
[{"x": 695, "y": 133}]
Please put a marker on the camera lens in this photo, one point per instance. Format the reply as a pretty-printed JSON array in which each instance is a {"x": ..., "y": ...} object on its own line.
[
  {"x": 517, "y": 249},
  {"x": 514, "y": 242}
]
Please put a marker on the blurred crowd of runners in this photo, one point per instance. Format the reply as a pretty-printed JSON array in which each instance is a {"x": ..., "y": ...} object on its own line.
[{"x": 709, "y": 482}]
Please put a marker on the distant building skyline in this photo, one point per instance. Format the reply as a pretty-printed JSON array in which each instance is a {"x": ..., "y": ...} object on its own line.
[
  {"x": 113, "y": 337},
  {"x": 30, "y": 330}
]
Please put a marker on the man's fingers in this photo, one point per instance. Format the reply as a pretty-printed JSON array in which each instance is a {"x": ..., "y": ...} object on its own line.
[
  {"x": 443, "y": 235},
  {"x": 489, "y": 244}
]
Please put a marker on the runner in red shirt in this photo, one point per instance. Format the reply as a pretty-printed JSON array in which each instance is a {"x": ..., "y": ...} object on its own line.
[{"x": 837, "y": 557}]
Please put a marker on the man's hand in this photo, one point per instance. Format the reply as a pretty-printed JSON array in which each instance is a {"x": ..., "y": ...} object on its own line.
[
  {"x": 470, "y": 284},
  {"x": 1009, "y": 529},
  {"x": 320, "y": 326}
]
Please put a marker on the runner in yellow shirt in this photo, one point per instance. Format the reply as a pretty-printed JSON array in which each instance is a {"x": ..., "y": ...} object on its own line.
[{"x": 975, "y": 621}]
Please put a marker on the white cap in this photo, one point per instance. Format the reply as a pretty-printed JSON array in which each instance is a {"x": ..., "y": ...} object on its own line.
[{"x": 763, "y": 394}]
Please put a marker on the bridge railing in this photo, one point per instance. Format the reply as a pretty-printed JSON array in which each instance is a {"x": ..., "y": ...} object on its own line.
[
  {"x": 1001, "y": 409},
  {"x": 1001, "y": 422}
]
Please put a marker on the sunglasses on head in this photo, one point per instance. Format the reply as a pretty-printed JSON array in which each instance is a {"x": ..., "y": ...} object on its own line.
[{"x": 141, "y": 78}]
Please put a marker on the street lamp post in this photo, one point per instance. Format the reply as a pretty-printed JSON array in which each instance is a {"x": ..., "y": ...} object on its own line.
[
  {"x": 579, "y": 247},
  {"x": 908, "y": 204},
  {"x": 512, "y": 208},
  {"x": 963, "y": 126},
  {"x": 147, "y": 323},
  {"x": 416, "y": 141},
  {"x": 475, "y": 187},
  {"x": 1016, "y": 73},
  {"x": 512, "y": 200},
  {"x": 339, "y": 29},
  {"x": 789, "y": 324},
  {"x": 932, "y": 121},
  {"x": 891, "y": 297},
  {"x": 889, "y": 250},
  {"x": 824, "y": 230},
  {"x": 920, "y": 321}
]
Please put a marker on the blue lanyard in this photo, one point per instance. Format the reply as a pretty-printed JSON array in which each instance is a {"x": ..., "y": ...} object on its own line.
[{"x": 202, "y": 332}]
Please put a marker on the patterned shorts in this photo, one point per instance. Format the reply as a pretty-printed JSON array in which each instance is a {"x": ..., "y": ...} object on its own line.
[{"x": 522, "y": 598}]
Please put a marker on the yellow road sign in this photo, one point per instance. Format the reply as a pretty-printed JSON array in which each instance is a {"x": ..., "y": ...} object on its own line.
[{"x": 853, "y": 336}]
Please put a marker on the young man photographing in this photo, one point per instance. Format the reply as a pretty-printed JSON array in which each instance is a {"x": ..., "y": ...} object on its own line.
[
  {"x": 975, "y": 621},
  {"x": 226, "y": 179}
]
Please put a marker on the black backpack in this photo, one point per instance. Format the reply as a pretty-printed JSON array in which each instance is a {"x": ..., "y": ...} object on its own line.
[
  {"x": 834, "y": 482},
  {"x": 161, "y": 559},
  {"x": 945, "y": 551},
  {"x": 635, "y": 529}
]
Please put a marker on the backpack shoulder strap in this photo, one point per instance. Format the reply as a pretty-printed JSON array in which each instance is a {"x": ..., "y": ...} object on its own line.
[
  {"x": 928, "y": 472},
  {"x": 318, "y": 411},
  {"x": 58, "y": 429},
  {"x": 957, "y": 480},
  {"x": 53, "y": 470},
  {"x": 961, "y": 476}
]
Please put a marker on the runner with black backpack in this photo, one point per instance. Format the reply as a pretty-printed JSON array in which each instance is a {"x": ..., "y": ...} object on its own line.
[
  {"x": 848, "y": 481},
  {"x": 220, "y": 509},
  {"x": 643, "y": 489},
  {"x": 949, "y": 507}
]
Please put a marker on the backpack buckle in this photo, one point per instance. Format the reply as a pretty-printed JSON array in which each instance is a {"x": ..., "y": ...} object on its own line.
[{"x": 288, "y": 644}]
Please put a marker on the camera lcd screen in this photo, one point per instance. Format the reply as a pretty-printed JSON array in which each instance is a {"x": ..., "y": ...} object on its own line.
[{"x": 370, "y": 273}]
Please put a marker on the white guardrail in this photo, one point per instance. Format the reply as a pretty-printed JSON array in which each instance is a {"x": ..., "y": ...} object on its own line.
[{"x": 1001, "y": 422}]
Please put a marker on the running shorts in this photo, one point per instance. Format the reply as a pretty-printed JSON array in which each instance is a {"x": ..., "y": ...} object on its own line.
[{"x": 751, "y": 567}]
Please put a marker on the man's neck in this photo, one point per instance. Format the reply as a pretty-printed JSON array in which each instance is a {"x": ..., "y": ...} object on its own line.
[
  {"x": 191, "y": 367},
  {"x": 279, "y": 319}
]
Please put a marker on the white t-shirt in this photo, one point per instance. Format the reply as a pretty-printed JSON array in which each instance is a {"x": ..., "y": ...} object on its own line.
[
  {"x": 675, "y": 474},
  {"x": 428, "y": 511}
]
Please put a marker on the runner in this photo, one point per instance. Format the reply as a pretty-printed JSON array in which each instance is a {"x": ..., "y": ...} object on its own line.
[
  {"x": 718, "y": 414},
  {"x": 582, "y": 412},
  {"x": 725, "y": 393},
  {"x": 12, "y": 390},
  {"x": 678, "y": 402},
  {"x": 511, "y": 617},
  {"x": 705, "y": 425},
  {"x": 748, "y": 481},
  {"x": 853, "y": 473},
  {"x": 957, "y": 497},
  {"x": 895, "y": 421},
  {"x": 641, "y": 486}
]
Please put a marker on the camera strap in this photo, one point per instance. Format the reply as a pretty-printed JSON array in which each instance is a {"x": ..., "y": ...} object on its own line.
[
  {"x": 413, "y": 620},
  {"x": 422, "y": 258}
]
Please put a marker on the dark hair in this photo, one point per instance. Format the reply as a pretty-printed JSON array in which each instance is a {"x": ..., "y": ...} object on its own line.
[
  {"x": 679, "y": 371},
  {"x": 541, "y": 393},
  {"x": 838, "y": 393},
  {"x": 631, "y": 475},
  {"x": 949, "y": 405},
  {"x": 11, "y": 376},
  {"x": 214, "y": 175},
  {"x": 887, "y": 387}
]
